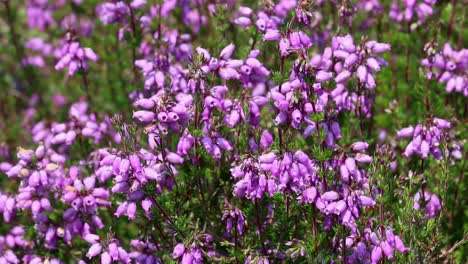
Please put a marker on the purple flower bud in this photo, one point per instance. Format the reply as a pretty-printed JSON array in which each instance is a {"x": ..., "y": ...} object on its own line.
[
  {"x": 246, "y": 11},
  {"x": 131, "y": 211},
  {"x": 281, "y": 118},
  {"x": 59, "y": 138},
  {"x": 381, "y": 47},
  {"x": 373, "y": 64},
  {"x": 335, "y": 129},
  {"x": 226, "y": 53},
  {"x": 135, "y": 162},
  {"x": 284, "y": 46},
  {"x": 232, "y": 64},
  {"x": 162, "y": 117},
  {"x": 399, "y": 245},
  {"x": 123, "y": 255},
  {"x": 232, "y": 119},
  {"x": 228, "y": 73},
  {"x": 223, "y": 143},
  {"x": 363, "y": 158},
  {"x": 207, "y": 143},
  {"x": 305, "y": 40},
  {"x": 267, "y": 158},
  {"x": 343, "y": 76},
  {"x": 35, "y": 207},
  {"x": 323, "y": 76},
  {"x": 216, "y": 152},
  {"x": 100, "y": 193},
  {"x": 282, "y": 105},
  {"x": 261, "y": 24},
  {"x": 174, "y": 158},
  {"x": 89, "y": 200},
  {"x": 152, "y": 174},
  {"x": 144, "y": 116},
  {"x": 253, "y": 62},
  {"x": 350, "y": 60},
  {"x": 366, "y": 201},
  {"x": 146, "y": 204},
  {"x": 68, "y": 197},
  {"x": 45, "y": 204},
  {"x": 245, "y": 69},
  {"x": 243, "y": 21},
  {"x": 441, "y": 123},
  {"x": 70, "y": 137},
  {"x": 387, "y": 249},
  {"x": 370, "y": 81},
  {"x": 137, "y": 4},
  {"x": 359, "y": 146},
  {"x": 296, "y": 115},
  {"x": 272, "y": 34},
  {"x": 433, "y": 205},
  {"x": 347, "y": 43},
  {"x": 362, "y": 73},
  {"x": 376, "y": 255},
  {"x": 106, "y": 258},
  {"x": 94, "y": 250},
  {"x": 344, "y": 173},
  {"x": 424, "y": 149},
  {"x": 69, "y": 214},
  {"x": 309, "y": 195},
  {"x": 390, "y": 236},
  {"x": 89, "y": 53},
  {"x": 350, "y": 164},
  {"x": 405, "y": 132},
  {"x": 179, "y": 250},
  {"x": 295, "y": 40},
  {"x": 266, "y": 139},
  {"x": 341, "y": 54},
  {"x": 10, "y": 257},
  {"x": 340, "y": 206},
  {"x": 91, "y": 238},
  {"x": 185, "y": 143},
  {"x": 40, "y": 151},
  {"x": 116, "y": 165},
  {"x": 330, "y": 196},
  {"x": 145, "y": 103}
]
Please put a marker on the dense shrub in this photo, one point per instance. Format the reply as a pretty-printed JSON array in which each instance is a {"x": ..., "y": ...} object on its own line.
[{"x": 233, "y": 132}]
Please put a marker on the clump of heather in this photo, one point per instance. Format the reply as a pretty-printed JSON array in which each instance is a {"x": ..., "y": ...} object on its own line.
[
  {"x": 232, "y": 132},
  {"x": 449, "y": 67}
]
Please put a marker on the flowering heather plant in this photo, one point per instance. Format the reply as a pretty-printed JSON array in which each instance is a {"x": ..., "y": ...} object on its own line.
[{"x": 233, "y": 131}]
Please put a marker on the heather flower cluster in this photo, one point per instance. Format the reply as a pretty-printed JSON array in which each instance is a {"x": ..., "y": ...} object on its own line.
[
  {"x": 232, "y": 132},
  {"x": 409, "y": 10},
  {"x": 74, "y": 57},
  {"x": 448, "y": 67}
]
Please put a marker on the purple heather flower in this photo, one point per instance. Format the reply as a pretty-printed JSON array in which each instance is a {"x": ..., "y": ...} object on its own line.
[
  {"x": 411, "y": 9},
  {"x": 94, "y": 250},
  {"x": 431, "y": 201},
  {"x": 73, "y": 56},
  {"x": 361, "y": 59},
  {"x": 425, "y": 139},
  {"x": 448, "y": 67},
  {"x": 39, "y": 14}
]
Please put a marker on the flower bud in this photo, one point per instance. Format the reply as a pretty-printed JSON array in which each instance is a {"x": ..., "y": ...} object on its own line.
[
  {"x": 330, "y": 196},
  {"x": 179, "y": 250},
  {"x": 144, "y": 116},
  {"x": 226, "y": 53},
  {"x": 271, "y": 34},
  {"x": 405, "y": 132},
  {"x": 94, "y": 250},
  {"x": 281, "y": 118},
  {"x": 359, "y": 146}
]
